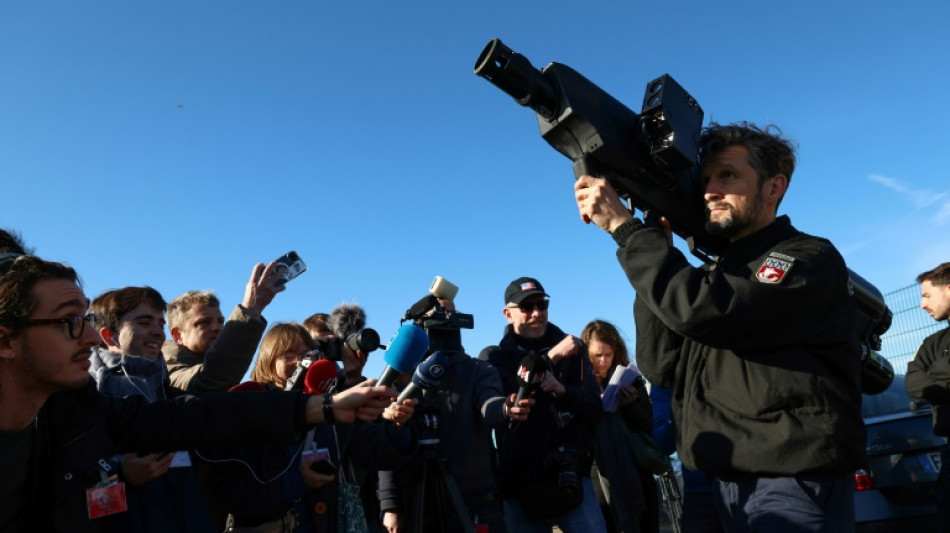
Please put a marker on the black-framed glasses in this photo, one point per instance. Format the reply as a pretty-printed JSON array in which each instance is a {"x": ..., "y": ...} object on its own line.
[
  {"x": 529, "y": 307},
  {"x": 76, "y": 323}
]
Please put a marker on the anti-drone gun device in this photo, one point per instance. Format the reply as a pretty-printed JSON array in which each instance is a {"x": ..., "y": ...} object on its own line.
[{"x": 651, "y": 160}]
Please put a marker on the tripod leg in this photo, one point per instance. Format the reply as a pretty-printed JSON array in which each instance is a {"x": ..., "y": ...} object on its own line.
[
  {"x": 416, "y": 519},
  {"x": 461, "y": 511}
]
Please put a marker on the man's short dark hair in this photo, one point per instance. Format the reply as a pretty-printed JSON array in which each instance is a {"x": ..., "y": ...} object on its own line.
[
  {"x": 110, "y": 306},
  {"x": 17, "y": 280},
  {"x": 317, "y": 322},
  {"x": 19, "y": 273},
  {"x": 12, "y": 242},
  {"x": 770, "y": 153},
  {"x": 939, "y": 276}
]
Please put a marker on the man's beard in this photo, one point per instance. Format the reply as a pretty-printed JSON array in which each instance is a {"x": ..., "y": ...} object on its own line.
[
  {"x": 49, "y": 374},
  {"x": 736, "y": 220}
]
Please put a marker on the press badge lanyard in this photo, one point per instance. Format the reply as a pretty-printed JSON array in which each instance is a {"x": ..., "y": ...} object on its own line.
[{"x": 108, "y": 496}]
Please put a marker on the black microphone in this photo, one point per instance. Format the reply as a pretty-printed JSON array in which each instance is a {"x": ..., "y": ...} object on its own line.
[
  {"x": 406, "y": 349},
  {"x": 428, "y": 376},
  {"x": 297, "y": 378},
  {"x": 530, "y": 375}
]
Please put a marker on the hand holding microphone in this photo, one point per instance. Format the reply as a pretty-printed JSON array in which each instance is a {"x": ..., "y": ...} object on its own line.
[
  {"x": 531, "y": 375},
  {"x": 365, "y": 401},
  {"x": 517, "y": 410},
  {"x": 428, "y": 376}
]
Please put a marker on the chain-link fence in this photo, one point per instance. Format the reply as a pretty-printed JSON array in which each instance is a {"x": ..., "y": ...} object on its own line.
[{"x": 911, "y": 325}]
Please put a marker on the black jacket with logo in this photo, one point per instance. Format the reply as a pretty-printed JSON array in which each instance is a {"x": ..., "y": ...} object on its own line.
[{"x": 760, "y": 349}]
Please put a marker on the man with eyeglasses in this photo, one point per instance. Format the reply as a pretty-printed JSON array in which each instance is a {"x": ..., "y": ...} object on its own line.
[
  {"x": 545, "y": 461},
  {"x": 57, "y": 432}
]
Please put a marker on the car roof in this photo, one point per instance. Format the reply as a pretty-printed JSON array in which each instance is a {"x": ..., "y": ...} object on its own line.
[{"x": 892, "y": 403}]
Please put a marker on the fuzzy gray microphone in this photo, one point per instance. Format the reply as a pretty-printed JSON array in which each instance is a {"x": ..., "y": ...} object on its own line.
[{"x": 346, "y": 319}]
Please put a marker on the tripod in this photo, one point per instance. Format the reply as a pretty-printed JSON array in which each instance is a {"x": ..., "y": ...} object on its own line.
[{"x": 437, "y": 504}]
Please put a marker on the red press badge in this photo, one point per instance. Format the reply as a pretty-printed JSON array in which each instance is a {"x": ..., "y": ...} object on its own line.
[{"x": 106, "y": 499}]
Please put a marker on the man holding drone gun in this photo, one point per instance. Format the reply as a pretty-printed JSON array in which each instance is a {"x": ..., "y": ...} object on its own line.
[
  {"x": 765, "y": 367},
  {"x": 769, "y": 345}
]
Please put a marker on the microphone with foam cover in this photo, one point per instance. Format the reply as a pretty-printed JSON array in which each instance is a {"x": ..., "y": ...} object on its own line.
[
  {"x": 247, "y": 386},
  {"x": 530, "y": 375},
  {"x": 428, "y": 376},
  {"x": 406, "y": 349},
  {"x": 321, "y": 377}
]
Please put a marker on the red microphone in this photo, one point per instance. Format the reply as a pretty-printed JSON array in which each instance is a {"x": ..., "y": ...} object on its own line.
[
  {"x": 320, "y": 377},
  {"x": 247, "y": 386}
]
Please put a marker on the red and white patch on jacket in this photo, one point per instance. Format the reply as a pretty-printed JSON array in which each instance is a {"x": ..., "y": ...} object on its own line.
[{"x": 774, "y": 268}]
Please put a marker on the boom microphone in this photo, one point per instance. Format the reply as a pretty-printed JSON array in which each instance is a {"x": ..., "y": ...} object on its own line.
[
  {"x": 406, "y": 349},
  {"x": 321, "y": 377},
  {"x": 530, "y": 375},
  {"x": 428, "y": 375},
  {"x": 346, "y": 319}
]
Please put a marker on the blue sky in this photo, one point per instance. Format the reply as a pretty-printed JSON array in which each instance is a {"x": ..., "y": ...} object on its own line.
[{"x": 177, "y": 143}]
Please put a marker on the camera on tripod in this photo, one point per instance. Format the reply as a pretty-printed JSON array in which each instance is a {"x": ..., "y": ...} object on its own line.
[
  {"x": 427, "y": 425},
  {"x": 366, "y": 339}
]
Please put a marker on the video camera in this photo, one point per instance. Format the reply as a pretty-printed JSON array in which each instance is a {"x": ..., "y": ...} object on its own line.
[
  {"x": 651, "y": 160},
  {"x": 429, "y": 314},
  {"x": 366, "y": 339}
]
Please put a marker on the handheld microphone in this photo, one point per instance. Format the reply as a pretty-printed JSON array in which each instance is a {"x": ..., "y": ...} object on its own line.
[
  {"x": 428, "y": 375},
  {"x": 530, "y": 375},
  {"x": 321, "y": 377},
  {"x": 296, "y": 379},
  {"x": 247, "y": 386},
  {"x": 406, "y": 349}
]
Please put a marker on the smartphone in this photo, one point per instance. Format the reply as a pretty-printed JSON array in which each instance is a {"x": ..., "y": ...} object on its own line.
[{"x": 290, "y": 265}]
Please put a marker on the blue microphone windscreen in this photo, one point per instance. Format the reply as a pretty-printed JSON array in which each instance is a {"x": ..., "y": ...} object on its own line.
[
  {"x": 406, "y": 348},
  {"x": 428, "y": 374}
]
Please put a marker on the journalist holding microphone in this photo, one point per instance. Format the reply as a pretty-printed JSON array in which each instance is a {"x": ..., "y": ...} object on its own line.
[
  {"x": 545, "y": 461},
  {"x": 300, "y": 487},
  {"x": 57, "y": 431},
  {"x": 759, "y": 347}
]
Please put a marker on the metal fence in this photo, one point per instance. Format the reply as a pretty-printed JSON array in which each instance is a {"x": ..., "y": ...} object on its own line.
[{"x": 911, "y": 325}]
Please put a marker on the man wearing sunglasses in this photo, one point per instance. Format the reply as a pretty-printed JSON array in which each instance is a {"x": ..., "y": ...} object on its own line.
[
  {"x": 57, "y": 432},
  {"x": 545, "y": 461}
]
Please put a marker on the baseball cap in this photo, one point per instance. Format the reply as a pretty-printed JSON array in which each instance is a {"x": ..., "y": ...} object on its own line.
[{"x": 521, "y": 288}]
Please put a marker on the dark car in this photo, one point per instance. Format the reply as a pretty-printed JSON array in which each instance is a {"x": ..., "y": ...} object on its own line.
[{"x": 898, "y": 488}]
